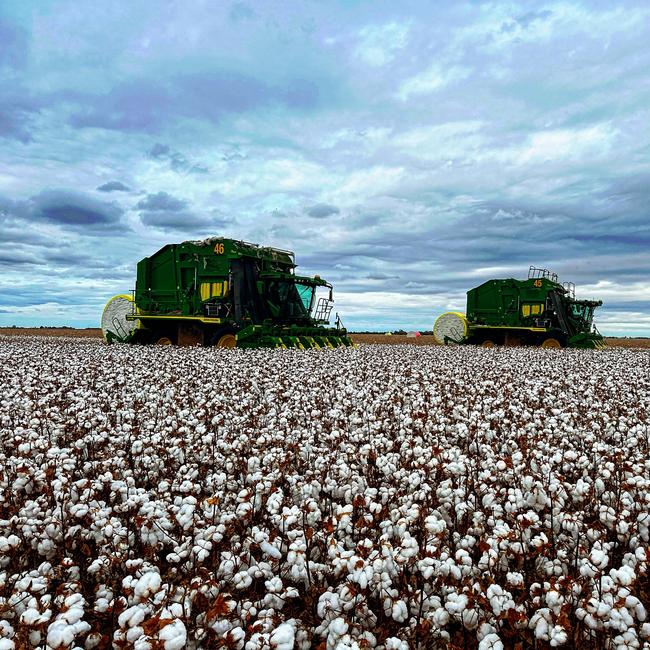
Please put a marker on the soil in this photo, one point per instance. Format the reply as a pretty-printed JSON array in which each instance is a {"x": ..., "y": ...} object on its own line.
[
  {"x": 384, "y": 339},
  {"x": 87, "y": 333}
]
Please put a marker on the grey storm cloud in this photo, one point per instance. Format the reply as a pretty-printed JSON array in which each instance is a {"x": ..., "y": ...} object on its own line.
[
  {"x": 113, "y": 186},
  {"x": 161, "y": 201},
  {"x": 147, "y": 105},
  {"x": 159, "y": 151},
  {"x": 322, "y": 210},
  {"x": 16, "y": 114},
  {"x": 186, "y": 221},
  {"x": 166, "y": 212},
  {"x": 73, "y": 209},
  {"x": 177, "y": 161},
  {"x": 17, "y": 259},
  {"x": 13, "y": 45}
]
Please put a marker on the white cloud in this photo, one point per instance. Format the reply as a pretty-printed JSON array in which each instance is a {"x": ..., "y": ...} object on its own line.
[
  {"x": 613, "y": 292},
  {"x": 373, "y": 181},
  {"x": 385, "y": 304},
  {"x": 506, "y": 26},
  {"x": 379, "y": 44},
  {"x": 442, "y": 141},
  {"x": 623, "y": 323},
  {"x": 567, "y": 144},
  {"x": 434, "y": 78}
]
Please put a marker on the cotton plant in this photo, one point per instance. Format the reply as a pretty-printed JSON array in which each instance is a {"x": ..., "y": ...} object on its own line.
[{"x": 373, "y": 497}]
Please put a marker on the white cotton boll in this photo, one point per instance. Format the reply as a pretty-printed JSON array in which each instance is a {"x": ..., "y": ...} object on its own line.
[
  {"x": 456, "y": 603},
  {"x": 469, "y": 618},
  {"x": 409, "y": 547},
  {"x": 393, "y": 643},
  {"x": 399, "y": 611},
  {"x": 624, "y": 576},
  {"x": 328, "y": 605},
  {"x": 554, "y": 600},
  {"x": 490, "y": 642},
  {"x": 282, "y": 638},
  {"x": 242, "y": 580},
  {"x": 515, "y": 579},
  {"x": 257, "y": 642},
  {"x": 134, "y": 633},
  {"x": 338, "y": 627},
  {"x": 271, "y": 550},
  {"x": 131, "y": 616},
  {"x": 9, "y": 543},
  {"x": 7, "y": 644},
  {"x": 32, "y": 616},
  {"x": 202, "y": 550},
  {"x": 60, "y": 634},
  {"x": 598, "y": 558},
  {"x": 274, "y": 585},
  {"x": 434, "y": 525},
  {"x": 627, "y": 641},
  {"x": 147, "y": 585},
  {"x": 72, "y": 615},
  {"x": 440, "y": 617},
  {"x": 558, "y": 636},
  {"x": 633, "y": 603},
  {"x": 244, "y": 509},
  {"x": 236, "y": 637},
  {"x": 427, "y": 567},
  {"x": 174, "y": 635}
]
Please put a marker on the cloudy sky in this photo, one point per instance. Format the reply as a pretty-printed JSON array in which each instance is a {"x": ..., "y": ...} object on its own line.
[{"x": 406, "y": 151}]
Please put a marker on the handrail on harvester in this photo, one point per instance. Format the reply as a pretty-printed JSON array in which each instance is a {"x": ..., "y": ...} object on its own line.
[{"x": 535, "y": 272}]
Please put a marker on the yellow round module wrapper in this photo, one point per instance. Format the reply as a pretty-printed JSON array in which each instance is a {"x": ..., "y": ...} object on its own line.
[
  {"x": 114, "y": 317},
  {"x": 450, "y": 327}
]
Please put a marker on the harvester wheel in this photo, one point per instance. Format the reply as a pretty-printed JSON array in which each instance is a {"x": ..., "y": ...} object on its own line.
[
  {"x": 551, "y": 343},
  {"x": 164, "y": 340},
  {"x": 226, "y": 341},
  {"x": 488, "y": 344}
]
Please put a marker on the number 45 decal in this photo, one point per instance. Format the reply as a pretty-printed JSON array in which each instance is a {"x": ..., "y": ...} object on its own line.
[{"x": 537, "y": 283}]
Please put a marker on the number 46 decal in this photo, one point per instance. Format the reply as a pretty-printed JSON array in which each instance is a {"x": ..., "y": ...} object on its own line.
[{"x": 218, "y": 249}]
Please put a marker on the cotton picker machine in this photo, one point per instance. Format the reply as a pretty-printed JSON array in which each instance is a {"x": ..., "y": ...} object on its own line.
[
  {"x": 225, "y": 293},
  {"x": 537, "y": 311}
]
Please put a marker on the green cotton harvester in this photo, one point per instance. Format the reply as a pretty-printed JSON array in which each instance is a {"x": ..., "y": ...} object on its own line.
[
  {"x": 225, "y": 293},
  {"x": 538, "y": 311}
]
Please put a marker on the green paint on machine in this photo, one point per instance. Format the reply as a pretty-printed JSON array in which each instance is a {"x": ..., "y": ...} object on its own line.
[{"x": 226, "y": 293}]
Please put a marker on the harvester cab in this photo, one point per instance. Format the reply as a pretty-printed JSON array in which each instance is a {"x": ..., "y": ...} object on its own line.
[
  {"x": 226, "y": 293},
  {"x": 292, "y": 298},
  {"x": 537, "y": 311}
]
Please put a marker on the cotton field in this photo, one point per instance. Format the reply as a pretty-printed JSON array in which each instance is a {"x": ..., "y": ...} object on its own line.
[{"x": 385, "y": 496}]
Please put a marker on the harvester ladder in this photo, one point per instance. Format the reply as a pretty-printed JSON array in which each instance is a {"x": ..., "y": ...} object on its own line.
[
  {"x": 323, "y": 310},
  {"x": 570, "y": 288}
]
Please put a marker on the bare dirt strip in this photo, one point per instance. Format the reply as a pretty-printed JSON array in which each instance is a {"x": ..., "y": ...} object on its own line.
[{"x": 383, "y": 339}]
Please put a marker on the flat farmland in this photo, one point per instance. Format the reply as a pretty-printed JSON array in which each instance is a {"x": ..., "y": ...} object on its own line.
[
  {"x": 375, "y": 338},
  {"x": 384, "y": 496}
]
